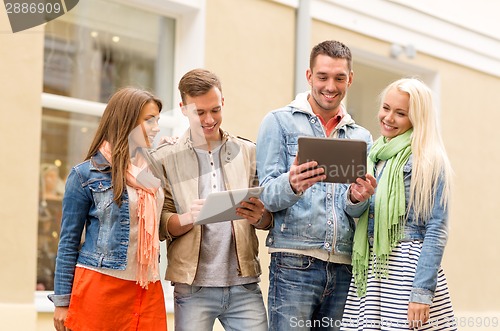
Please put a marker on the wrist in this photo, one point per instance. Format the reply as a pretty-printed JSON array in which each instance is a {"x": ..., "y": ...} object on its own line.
[
  {"x": 185, "y": 219},
  {"x": 295, "y": 191},
  {"x": 265, "y": 222},
  {"x": 259, "y": 222},
  {"x": 350, "y": 197}
]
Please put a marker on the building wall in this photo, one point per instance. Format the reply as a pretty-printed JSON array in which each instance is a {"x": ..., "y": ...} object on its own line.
[
  {"x": 21, "y": 87},
  {"x": 250, "y": 45}
]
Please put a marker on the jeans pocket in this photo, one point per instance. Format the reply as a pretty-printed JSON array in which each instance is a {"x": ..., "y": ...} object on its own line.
[
  {"x": 293, "y": 261},
  {"x": 185, "y": 291},
  {"x": 251, "y": 287}
]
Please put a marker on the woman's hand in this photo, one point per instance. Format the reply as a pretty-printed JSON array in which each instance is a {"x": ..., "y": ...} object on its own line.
[
  {"x": 418, "y": 314},
  {"x": 362, "y": 189},
  {"x": 169, "y": 140},
  {"x": 60, "y": 314}
]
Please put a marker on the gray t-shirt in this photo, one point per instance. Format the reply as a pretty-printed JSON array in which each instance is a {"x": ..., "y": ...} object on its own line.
[{"x": 218, "y": 266}]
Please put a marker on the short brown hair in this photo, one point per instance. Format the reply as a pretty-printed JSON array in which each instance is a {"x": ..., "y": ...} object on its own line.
[
  {"x": 331, "y": 48},
  {"x": 198, "y": 82}
]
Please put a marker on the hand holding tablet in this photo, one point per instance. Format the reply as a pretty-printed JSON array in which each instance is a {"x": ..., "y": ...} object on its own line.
[{"x": 221, "y": 206}]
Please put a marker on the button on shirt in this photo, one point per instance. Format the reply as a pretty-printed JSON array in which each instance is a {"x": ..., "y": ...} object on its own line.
[{"x": 218, "y": 265}]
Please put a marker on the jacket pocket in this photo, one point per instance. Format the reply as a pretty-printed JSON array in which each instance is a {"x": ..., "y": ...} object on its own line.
[
  {"x": 102, "y": 192},
  {"x": 292, "y": 149},
  {"x": 107, "y": 238},
  {"x": 292, "y": 146}
]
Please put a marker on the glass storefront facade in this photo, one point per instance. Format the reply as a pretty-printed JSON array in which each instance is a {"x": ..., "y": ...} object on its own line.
[{"x": 89, "y": 53}]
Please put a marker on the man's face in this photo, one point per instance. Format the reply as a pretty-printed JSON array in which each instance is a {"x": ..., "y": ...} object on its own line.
[
  {"x": 329, "y": 80},
  {"x": 204, "y": 113}
]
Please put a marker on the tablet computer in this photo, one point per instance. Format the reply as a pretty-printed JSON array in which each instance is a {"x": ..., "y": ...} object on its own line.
[
  {"x": 344, "y": 160},
  {"x": 221, "y": 206}
]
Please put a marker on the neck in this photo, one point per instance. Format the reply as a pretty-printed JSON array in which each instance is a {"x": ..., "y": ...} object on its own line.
[
  {"x": 326, "y": 115},
  {"x": 206, "y": 144}
]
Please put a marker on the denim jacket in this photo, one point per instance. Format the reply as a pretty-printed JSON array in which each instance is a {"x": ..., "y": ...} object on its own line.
[
  {"x": 88, "y": 203},
  {"x": 433, "y": 233},
  {"x": 316, "y": 219}
]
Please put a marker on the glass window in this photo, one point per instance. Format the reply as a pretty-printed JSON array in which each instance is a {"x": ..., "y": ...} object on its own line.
[
  {"x": 89, "y": 53},
  {"x": 65, "y": 138},
  {"x": 102, "y": 45},
  {"x": 68, "y": 127}
]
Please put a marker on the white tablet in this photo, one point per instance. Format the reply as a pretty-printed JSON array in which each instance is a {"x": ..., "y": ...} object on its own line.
[
  {"x": 344, "y": 160},
  {"x": 221, "y": 206}
]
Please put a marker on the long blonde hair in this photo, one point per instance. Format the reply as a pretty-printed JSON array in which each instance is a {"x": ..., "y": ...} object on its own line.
[{"x": 430, "y": 161}]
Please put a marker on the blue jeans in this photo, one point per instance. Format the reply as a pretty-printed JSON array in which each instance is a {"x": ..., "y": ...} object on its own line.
[
  {"x": 238, "y": 307},
  {"x": 306, "y": 293}
]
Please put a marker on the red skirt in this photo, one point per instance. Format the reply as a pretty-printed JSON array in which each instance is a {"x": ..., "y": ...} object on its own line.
[{"x": 104, "y": 303}]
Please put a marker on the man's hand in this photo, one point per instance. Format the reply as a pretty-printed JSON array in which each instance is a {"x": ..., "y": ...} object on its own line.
[
  {"x": 303, "y": 176},
  {"x": 252, "y": 210},
  {"x": 191, "y": 216}
]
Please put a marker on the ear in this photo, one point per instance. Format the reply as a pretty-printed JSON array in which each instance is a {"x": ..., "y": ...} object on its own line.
[
  {"x": 351, "y": 76},
  {"x": 183, "y": 109},
  {"x": 309, "y": 76},
  {"x": 222, "y": 100}
]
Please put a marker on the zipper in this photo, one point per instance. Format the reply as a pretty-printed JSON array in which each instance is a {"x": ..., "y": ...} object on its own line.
[
  {"x": 334, "y": 220},
  {"x": 334, "y": 239},
  {"x": 191, "y": 148}
]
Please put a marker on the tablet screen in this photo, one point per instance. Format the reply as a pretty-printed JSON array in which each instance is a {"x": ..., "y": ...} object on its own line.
[
  {"x": 344, "y": 160},
  {"x": 221, "y": 206}
]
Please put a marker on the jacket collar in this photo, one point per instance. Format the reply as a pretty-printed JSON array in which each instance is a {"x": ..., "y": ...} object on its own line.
[
  {"x": 301, "y": 104},
  {"x": 99, "y": 163},
  {"x": 188, "y": 142}
]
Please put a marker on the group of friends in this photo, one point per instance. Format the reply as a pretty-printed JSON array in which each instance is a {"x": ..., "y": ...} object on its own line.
[{"x": 360, "y": 256}]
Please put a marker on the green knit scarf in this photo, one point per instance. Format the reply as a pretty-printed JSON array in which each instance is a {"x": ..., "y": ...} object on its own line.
[{"x": 390, "y": 209}]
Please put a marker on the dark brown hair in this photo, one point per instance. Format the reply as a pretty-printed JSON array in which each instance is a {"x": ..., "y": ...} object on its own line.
[
  {"x": 331, "y": 48},
  {"x": 117, "y": 122}
]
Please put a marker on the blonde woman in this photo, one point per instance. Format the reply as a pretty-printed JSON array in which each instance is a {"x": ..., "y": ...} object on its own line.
[
  {"x": 112, "y": 281},
  {"x": 402, "y": 231}
]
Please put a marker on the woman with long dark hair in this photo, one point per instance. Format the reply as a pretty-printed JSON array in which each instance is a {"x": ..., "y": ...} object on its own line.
[{"x": 109, "y": 280}]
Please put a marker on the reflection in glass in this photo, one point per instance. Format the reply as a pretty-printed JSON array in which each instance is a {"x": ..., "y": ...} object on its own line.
[
  {"x": 89, "y": 53},
  {"x": 65, "y": 136},
  {"x": 49, "y": 223},
  {"x": 99, "y": 47}
]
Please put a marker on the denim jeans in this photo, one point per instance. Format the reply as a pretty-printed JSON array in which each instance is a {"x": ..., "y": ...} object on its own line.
[
  {"x": 306, "y": 293},
  {"x": 238, "y": 307}
]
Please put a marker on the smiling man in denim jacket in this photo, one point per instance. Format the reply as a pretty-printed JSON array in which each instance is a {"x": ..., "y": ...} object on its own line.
[{"x": 311, "y": 241}]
